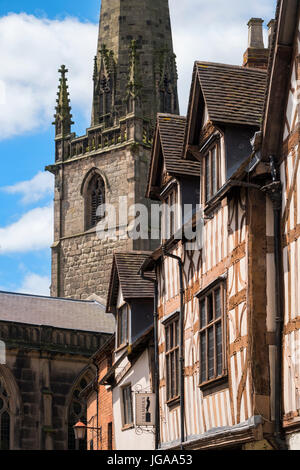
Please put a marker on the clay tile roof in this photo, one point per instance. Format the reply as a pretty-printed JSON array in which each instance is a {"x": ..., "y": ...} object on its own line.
[
  {"x": 125, "y": 273},
  {"x": 233, "y": 94},
  {"x": 68, "y": 314},
  {"x": 172, "y": 130},
  {"x": 132, "y": 285}
]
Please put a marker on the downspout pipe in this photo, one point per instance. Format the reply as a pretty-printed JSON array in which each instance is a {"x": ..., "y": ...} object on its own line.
[
  {"x": 181, "y": 347},
  {"x": 274, "y": 191},
  {"x": 97, "y": 391},
  {"x": 156, "y": 358}
]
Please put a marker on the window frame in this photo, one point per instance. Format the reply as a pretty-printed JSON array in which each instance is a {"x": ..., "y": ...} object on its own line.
[
  {"x": 170, "y": 198},
  {"x": 172, "y": 388},
  {"x": 122, "y": 340},
  {"x": 125, "y": 411},
  {"x": 91, "y": 218},
  {"x": 208, "y": 155},
  {"x": 203, "y": 296}
]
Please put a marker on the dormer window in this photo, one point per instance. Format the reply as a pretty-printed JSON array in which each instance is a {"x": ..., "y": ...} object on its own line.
[
  {"x": 170, "y": 213},
  {"x": 122, "y": 326},
  {"x": 211, "y": 172}
]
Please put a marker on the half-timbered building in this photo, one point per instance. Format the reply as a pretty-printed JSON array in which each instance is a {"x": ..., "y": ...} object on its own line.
[
  {"x": 216, "y": 309},
  {"x": 130, "y": 300},
  {"x": 280, "y": 147}
]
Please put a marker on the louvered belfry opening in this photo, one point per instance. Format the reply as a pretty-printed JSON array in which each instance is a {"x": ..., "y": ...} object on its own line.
[{"x": 95, "y": 201}]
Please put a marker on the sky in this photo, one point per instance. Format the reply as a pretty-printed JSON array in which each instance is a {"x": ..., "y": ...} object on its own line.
[{"x": 35, "y": 39}]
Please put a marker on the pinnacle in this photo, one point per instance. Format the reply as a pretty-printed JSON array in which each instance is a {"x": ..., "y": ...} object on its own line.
[{"x": 63, "y": 116}]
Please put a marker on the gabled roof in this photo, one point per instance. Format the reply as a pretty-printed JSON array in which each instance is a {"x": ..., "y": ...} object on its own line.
[
  {"x": 54, "y": 312},
  {"x": 169, "y": 139},
  {"x": 232, "y": 94},
  {"x": 125, "y": 274}
]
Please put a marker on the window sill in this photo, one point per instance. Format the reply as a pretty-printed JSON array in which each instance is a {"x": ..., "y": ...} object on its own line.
[
  {"x": 127, "y": 427},
  {"x": 214, "y": 383},
  {"x": 173, "y": 402},
  {"x": 121, "y": 347}
]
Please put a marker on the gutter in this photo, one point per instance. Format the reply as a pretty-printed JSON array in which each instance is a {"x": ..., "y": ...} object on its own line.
[{"x": 181, "y": 347}]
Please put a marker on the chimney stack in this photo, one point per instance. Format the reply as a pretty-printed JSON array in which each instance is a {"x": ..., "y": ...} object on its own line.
[{"x": 256, "y": 56}]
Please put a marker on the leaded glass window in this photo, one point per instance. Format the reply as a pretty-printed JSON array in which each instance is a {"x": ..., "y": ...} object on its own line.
[{"x": 212, "y": 335}]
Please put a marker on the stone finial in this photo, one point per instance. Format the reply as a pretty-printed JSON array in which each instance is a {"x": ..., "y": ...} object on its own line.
[
  {"x": 255, "y": 38},
  {"x": 63, "y": 117},
  {"x": 271, "y": 29}
]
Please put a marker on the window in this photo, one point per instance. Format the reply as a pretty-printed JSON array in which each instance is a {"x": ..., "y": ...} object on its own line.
[
  {"x": 127, "y": 406},
  {"x": 212, "y": 173},
  {"x": 170, "y": 214},
  {"x": 172, "y": 359},
  {"x": 4, "y": 419},
  {"x": 109, "y": 436},
  {"x": 95, "y": 201},
  {"x": 77, "y": 412},
  {"x": 212, "y": 335},
  {"x": 122, "y": 324}
]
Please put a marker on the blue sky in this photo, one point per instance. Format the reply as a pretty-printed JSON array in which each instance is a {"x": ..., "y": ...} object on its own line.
[{"x": 34, "y": 42}]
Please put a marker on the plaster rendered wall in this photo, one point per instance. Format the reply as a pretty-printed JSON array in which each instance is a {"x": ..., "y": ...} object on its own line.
[
  {"x": 293, "y": 441},
  {"x": 139, "y": 378}
]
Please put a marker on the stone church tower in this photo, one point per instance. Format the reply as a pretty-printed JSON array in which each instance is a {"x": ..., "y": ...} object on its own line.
[{"x": 134, "y": 78}]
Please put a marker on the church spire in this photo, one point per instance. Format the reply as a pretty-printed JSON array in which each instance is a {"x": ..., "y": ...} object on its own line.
[
  {"x": 63, "y": 117},
  {"x": 143, "y": 28}
]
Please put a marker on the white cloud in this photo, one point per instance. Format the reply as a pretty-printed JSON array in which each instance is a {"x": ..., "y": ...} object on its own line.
[
  {"x": 214, "y": 31},
  {"x": 32, "y": 232},
  {"x": 31, "y": 51},
  {"x": 35, "y": 284},
  {"x": 40, "y": 186}
]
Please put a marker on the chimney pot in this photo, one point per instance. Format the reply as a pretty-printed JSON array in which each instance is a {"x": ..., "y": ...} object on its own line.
[
  {"x": 271, "y": 29},
  {"x": 256, "y": 40}
]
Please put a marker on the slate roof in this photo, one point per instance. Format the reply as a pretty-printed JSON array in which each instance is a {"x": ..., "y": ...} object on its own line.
[
  {"x": 172, "y": 130},
  {"x": 124, "y": 273},
  {"x": 233, "y": 94},
  {"x": 68, "y": 314}
]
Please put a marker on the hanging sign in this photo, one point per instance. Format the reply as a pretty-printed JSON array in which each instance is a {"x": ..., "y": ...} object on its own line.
[{"x": 145, "y": 409}]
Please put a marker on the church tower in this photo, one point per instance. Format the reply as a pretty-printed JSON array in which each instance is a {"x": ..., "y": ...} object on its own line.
[{"x": 134, "y": 77}]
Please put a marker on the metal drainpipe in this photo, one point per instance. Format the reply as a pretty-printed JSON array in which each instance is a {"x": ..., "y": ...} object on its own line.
[
  {"x": 274, "y": 191},
  {"x": 156, "y": 359},
  {"x": 181, "y": 347},
  {"x": 97, "y": 391}
]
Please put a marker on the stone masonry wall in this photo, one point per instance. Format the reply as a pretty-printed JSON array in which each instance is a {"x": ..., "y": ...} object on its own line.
[{"x": 81, "y": 262}]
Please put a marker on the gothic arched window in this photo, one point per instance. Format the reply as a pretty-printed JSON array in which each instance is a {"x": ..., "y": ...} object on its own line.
[
  {"x": 4, "y": 418},
  {"x": 77, "y": 412},
  {"x": 95, "y": 200}
]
